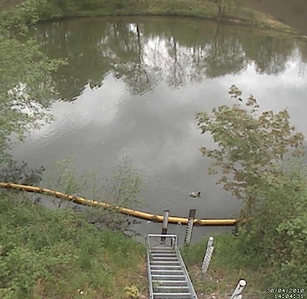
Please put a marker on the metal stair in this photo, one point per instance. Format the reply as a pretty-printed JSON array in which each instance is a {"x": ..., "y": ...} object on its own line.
[{"x": 167, "y": 275}]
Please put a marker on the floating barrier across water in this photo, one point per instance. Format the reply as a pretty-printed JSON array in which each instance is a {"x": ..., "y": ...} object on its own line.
[{"x": 126, "y": 211}]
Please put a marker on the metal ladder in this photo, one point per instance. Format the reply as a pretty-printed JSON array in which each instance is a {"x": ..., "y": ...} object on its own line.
[{"x": 167, "y": 275}]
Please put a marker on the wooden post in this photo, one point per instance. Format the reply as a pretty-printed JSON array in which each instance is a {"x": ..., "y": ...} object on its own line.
[
  {"x": 188, "y": 233},
  {"x": 164, "y": 224},
  {"x": 207, "y": 256},
  {"x": 237, "y": 294}
]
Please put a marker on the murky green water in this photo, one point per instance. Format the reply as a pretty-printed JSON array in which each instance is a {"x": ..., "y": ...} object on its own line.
[{"x": 132, "y": 87}]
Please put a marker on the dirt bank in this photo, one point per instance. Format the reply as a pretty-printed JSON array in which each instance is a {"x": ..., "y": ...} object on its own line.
[{"x": 4, "y": 4}]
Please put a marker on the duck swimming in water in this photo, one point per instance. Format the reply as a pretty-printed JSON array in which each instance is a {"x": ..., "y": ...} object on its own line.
[{"x": 194, "y": 194}]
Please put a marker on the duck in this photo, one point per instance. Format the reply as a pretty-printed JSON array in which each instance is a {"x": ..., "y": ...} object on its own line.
[{"x": 194, "y": 194}]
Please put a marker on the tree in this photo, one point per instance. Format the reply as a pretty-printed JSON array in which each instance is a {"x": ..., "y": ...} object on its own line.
[
  {"x": 260, "y": 158},
  {"x": 222, "y": 6},
  {"x": 251, "y": 146},
  {"x": 26, "y": 88}
]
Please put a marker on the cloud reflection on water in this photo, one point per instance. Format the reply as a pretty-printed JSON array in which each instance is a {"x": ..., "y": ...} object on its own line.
[{"x": 157, "y": 127}]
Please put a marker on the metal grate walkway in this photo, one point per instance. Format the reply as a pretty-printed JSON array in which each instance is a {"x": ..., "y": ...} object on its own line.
[{"x": 167, "y": 275}]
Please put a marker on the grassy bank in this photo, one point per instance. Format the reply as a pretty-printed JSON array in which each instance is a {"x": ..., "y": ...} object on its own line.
[
  {"x": 57, "y": 254},
  {"x": 228, "y": 265},
  {"x": 225, "y": 11}
]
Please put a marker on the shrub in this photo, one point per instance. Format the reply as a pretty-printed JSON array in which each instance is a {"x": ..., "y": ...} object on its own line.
[{"x": 257, "y": 155}]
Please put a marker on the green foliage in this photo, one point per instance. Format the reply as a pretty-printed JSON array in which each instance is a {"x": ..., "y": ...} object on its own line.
[
  {"x": 55, "y": 254},
  {"x": 124, "y": 186},
  {"x": 223, "y": 6},
  {"x": 227, "y": 265},
  {"x": 25, "y": 13},
  {"x": 20, "y": 173},
  {"x": 255, "y": 154},
  {"x": 132, "y": 292},
  {"x": 278, "y": 230},
  {"x": 251, "y": 146},
  {"x": 66, "y": 179},
  {"x": 31, "y": 10},
  {"x": 121, "y": 188},
  {"x": 26, "y": 87}
]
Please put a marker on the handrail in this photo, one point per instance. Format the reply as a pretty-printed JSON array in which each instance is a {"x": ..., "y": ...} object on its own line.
[
  {"x": 192, "y": 291},
  {"x": 148, "y": 269},
  {"x": 174, "y": 243},
  {"x": 126, "y": 211}
]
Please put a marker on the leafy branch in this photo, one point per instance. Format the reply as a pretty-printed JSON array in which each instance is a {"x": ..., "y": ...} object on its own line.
[{"x": 251, "y": 146}]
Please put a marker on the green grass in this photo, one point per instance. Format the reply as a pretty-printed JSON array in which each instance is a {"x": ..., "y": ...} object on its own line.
[
  {"x": 56, "y": 254},
  {"x": 227, "y": 266},
  {"x": 207, "y": 9}
]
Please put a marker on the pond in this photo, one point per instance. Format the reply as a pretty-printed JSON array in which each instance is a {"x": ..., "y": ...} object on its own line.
[{"x": 132, "y": 87}]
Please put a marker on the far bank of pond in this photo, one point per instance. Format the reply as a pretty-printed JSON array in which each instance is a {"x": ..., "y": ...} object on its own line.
[
  {"x": 292, "y": 13},
  {"x": 223, "y": 11}
]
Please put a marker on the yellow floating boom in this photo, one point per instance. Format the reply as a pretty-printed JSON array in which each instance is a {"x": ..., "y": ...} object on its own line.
[{"x": 130, "y": 212}]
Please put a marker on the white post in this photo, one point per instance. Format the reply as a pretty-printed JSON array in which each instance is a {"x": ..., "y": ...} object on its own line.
[
  {"x": 188, "y": 233},
  {"x": 207, "y": 256},
  {"x": 147, "y": 227},
  {"x": 237, "y": 294},
  {"x": 178, "y": 228}
]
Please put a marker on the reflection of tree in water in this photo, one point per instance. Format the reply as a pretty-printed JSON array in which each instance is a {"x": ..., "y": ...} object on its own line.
[
  {"x": 303, "y": 49},
  {"x": 269, "y": 53},
  {"x": 125, "y": 42},
  {"x": 225, "y": 54},
  {"x": 185, "y": 64},
  {"x": 198, "y": 64},
  {"x": 146, "y": 52},
  {"x": 80, "y": 43},
  {"x": 85, "y": 59},
  {"x": 176, "y": 63},
  {"x": 302, "y": 53}
]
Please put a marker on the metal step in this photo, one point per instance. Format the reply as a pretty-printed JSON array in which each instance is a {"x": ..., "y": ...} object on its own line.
[
  {"x": 159, "y": 253},
  {"x": 165, "y": 267},
  {"x": 168, "y": 277},
  {"x": 166, "y": 258},
  {"x": 169, "y": 282},
  {"x": 172, "y": 295},
  {"x": 162, "y": 262},
  {"x": 171, "y": 289},
  {"x": 164, "y": 248}
]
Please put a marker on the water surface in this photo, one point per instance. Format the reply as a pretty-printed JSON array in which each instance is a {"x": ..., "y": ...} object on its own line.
[{"x": 132, "y": 87}]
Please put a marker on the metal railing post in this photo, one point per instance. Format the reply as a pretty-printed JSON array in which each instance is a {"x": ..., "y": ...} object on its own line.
[
  {"x": 147, "y": 227},
  {"x": 188, "y": 234},
  {"x": 207, "y": 256},
  {"x": 178, "y": 232},
  {"x": 237, "y": 294}
]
